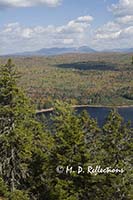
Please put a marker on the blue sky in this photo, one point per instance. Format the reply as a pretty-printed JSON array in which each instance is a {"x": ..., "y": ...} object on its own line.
[
  {"x": 27, "y": 25},
  {"x": 68, "y": 10}
]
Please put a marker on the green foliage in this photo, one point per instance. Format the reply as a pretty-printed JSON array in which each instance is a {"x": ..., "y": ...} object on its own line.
[
  {"x": 39, "y": 169},
  {"x": 30, "y": 153},
  {"x": 71, "y": 142},
  {"x": 3, "y": 188},
  {"x": 116, "y": 152},
  {"x": 15, "y": 129},
  {"x": 78, "y": 141},
  {"x": 78, "y": 77},
  {"x": 18, "y": 195}
]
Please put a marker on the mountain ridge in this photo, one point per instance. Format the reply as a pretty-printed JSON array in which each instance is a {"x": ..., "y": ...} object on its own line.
[
  {"x": 66, "y": 50},
  {"x": 57, "y": 51}
]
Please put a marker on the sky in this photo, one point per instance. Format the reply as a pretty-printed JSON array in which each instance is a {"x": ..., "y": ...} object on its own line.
[{"x": 28, "y": 25}]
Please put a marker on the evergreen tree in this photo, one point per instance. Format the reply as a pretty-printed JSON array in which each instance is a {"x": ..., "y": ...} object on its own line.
[
  {"x": 93, "y": 180},
  {"x": 38, "y": 182},
  {"x": 16, "y": 117},
  {"x": 71, "y": 149},
  {"x": 3, "y": 189},
  {"x": 116, "y": 154},
  {"x": 92, "y": 133},
  {"x": 51, "y": 162}
]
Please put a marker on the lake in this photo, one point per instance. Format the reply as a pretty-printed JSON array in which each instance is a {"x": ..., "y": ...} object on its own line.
[{"x": 101, "y": 113}]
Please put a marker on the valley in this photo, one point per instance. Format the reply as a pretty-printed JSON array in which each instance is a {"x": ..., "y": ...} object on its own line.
[{"x": 95, "y": 78}]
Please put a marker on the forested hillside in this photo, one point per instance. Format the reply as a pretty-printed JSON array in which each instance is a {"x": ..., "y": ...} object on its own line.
[
  {"x": 99, "y": 78},
  {"x": 72, "y": 159}
]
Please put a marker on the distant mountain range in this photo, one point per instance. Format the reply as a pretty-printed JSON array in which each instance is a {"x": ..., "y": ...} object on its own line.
[
  {"x": 59, "y": 51},
  {"x": 130, "y": 50}
]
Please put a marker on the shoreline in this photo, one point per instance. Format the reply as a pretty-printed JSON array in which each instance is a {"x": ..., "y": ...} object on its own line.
[{"x": 86, "y": 106}]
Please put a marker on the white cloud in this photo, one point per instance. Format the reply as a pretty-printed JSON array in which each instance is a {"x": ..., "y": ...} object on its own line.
[
  {"x": 68, "y": 41},
  {"x": 109, "y": 36},
  {"x": 78, "y": 25},
  {"x": 119, "y": 32},
  {"x": 127, "y": 33},
  {"x": 124, "y": 7},
  {"x": 109, "y": 31},
  {"x": 128, "y": 19},
  {"x": 28, "y": 3},
  {"x": 114, "y": 35},
  {"x": 15, "y": 37},
  {"x": 84, "y": 19}
]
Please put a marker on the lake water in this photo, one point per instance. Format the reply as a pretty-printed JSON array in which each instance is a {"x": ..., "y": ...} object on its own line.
[{"x": 101, "y": 113}]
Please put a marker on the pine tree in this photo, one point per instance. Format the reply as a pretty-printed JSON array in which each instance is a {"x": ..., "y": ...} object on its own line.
[
  {"x": 71, "y": 149},
  {"x": 3, "y": 189},
  {"x": 116, "y": 154},
  {"x": 16, "y": 125},
  {"x": 92, "y": 180},
  {"x": 38, "y": 181}
]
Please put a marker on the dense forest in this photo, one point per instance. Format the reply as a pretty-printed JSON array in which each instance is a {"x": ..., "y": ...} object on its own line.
[
  {"x": 66, "y": 157},
  {"x": 96, "y": 79}
]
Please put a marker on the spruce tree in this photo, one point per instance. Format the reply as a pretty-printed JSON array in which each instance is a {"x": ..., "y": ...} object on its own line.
[
  {"x": 16, "y": 117},
  {"x": 3, "y": 189},
  {"x": 116, "y": 154},
  {"x": 71, "y": 149},
  {"x": 38, "y": 182}
]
